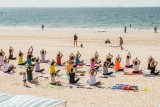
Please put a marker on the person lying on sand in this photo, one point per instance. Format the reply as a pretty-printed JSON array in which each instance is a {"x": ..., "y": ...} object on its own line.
[
  {"x": 20, "y": 58},
  {"x": 11, "y": 50},
  {"x": 43, "y": 56},
  {"x": 109, "y": 59},
  {"x": 117, "y": 64},
  {"x": 128, "y": 58}
]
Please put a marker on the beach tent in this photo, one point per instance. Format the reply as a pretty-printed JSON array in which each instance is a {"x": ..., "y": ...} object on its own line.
[{"x": 7, "y": 100}]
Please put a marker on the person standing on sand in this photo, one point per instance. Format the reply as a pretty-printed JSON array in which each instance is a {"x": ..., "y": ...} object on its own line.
[
  {"x": 121, "y": 42},
  {"x": 75, "y": 39},
  {"x": 43, "y": 27},
  {"x": 125, "y": 29},
  {"x": 130, "y": 25},
  {"x": 155, "y": 29}
]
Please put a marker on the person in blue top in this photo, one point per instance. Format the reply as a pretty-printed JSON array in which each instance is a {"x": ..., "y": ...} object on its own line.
[{"x": 77, "y": 59}]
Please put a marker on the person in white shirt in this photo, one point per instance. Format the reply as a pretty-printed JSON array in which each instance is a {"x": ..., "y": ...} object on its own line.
[
  {"x": 92, "y": 78},
  {"x": 43, "y": 56},
  {"x": 6, "y": 67},
  {"x": 136, "y": 63},
  {"x": 37, "y": 66},
  {"x": 128, "y": 59}
]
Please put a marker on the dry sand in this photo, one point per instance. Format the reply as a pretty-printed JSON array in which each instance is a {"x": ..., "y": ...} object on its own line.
[{"x": 141, "y": 44}]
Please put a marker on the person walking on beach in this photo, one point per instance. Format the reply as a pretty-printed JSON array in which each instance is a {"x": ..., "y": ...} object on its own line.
[
  {"x": 121, "y": 42},
  {"x": 125, "y": 29},
  {"x": 155, "y": 29},
  {"x": 43, "y": 27},
  {"x": 130, "y": 25},
  {"x": 75, "y": 40}
]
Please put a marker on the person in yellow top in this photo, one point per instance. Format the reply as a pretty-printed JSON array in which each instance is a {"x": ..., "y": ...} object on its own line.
[
  {"x": 69, "y": 67},
  {"x": 53, "y": 72},
  {"x": 20, "y": 59}
]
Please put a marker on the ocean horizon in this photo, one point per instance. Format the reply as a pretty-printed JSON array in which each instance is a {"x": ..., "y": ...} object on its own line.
[{"x": 81, "y": 17}]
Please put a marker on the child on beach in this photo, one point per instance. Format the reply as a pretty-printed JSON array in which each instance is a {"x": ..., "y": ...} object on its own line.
[
  {"x": 128, "y": 58},
  {"x": 37, "y": 66},
  {"x": 6, "y": 67},
  {"x": 11, "y": 50},
  {"x": 92, "y": 78},
  {"x": 136, "y": 63},
  {"x": 24, "y": 79},
  {"x": 53, "y": 72},
  {"x": 109, "y": 59},
  {"x": 153, "y": 65},
  {"x": 29, "y": 71},
  {"x": 59, "y": 58},
  {"x": 43, "y": 56},
  {"x": 105, "y": 68},
  {"x": 117, "y": 64},
  {"x": 72, "y": 75},
  {"x": 20, "y": 59}
]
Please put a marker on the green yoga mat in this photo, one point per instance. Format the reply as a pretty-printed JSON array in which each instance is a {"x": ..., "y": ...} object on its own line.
[
  {"x": 64, "y": 77},
  {"x": 50, "y": 85}
]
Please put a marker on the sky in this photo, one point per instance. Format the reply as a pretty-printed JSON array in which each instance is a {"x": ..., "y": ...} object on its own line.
[{"x": 79, "y": 3}]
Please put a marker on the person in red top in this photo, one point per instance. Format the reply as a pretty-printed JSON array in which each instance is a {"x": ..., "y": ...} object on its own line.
[{"x": 59, "y": 58}]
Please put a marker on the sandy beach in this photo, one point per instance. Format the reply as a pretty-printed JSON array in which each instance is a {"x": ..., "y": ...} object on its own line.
[{"x": 141, "y": 44}]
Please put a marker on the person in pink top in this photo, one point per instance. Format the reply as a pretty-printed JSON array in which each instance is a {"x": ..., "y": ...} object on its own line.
[
  {"x": 59, "y": 58},
  {"x": 93, "y": 63}
]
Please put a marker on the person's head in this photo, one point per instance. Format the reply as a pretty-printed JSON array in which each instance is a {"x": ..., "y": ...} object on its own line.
[
  {"x": 72, "y": 57},
  {"x": 75, "y": 35},
  {"x": 5, "y": 61},
  {"x": 117, "y": 59},
  {"x": 37, "y": 60},
  {"x": 52, "y": 63},
  {"x": 120, "y": 37},
  {"x": 105, "y": 64},
  {"x": 72, "y": 70},
  {"x": 92, "y": 60},
  {"x": 92, "y": 71},
  {"x": 23, "y": 73},
  {"x": 58, "y": 55},
  {"x": 128, "y": 57},
  {"x": 29, "y": 67},
  {"x": 29, "y": 56},
  {"x": 152, "y": 63},
  {"x": 136, "y": 62},
  {"x": 43, "y": 52}
]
